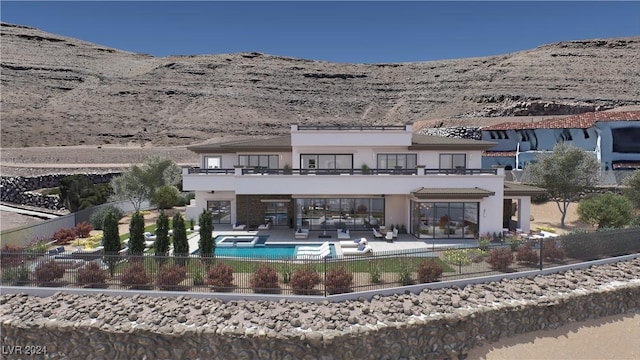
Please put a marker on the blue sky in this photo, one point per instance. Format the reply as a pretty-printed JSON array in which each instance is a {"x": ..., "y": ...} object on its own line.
[{"x": 359, "y": 32}]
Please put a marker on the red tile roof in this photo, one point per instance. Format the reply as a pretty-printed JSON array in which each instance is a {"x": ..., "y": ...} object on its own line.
[{"x": 580, "y": 121}]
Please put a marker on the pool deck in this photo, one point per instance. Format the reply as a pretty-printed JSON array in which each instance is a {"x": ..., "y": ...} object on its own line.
[{"x": 286, "y": 235}]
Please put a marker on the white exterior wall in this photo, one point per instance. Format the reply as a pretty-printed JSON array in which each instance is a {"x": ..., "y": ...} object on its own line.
[
  {"x": 396, "y": 210},
  {"x": 194, "y": 210}
]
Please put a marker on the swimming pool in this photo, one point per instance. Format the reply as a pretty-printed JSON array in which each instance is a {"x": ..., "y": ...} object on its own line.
[{"x": 260, "y": 248}]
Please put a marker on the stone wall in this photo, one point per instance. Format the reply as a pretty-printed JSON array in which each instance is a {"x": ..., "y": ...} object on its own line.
[
  {"x": 435, "y": 323},
  {"x": 19, "y": 189}
]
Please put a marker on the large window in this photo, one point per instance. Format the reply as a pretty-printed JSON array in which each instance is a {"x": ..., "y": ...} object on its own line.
[
  {"x": 444, "y": 219},
  {"x": 391, "y": 161},
  {"x": 220, "y": 211},
  {"x": 326, "y": 161},
  {"x": 453, "y": 161},
  {"x": 263, "y": 161},
  {"x": 335, "y": 213},
  {"x": 212, "y": 162}
]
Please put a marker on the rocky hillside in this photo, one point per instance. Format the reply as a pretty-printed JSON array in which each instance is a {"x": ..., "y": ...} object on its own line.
[{"x": 62, "y": 91}]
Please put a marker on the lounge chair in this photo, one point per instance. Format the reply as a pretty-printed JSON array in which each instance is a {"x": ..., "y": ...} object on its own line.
[
  {"x": 265, "y": 226},
  {"x": 302, "y": 233},
  {"x": 360, "y": 250},
  {"x": 377, "y": 234},
  {"x": 314, "y": 255},
  {"x": 238, "y": 226},
  {"x": 343, "y": 234},
  {"x": 150, "y": 237},
  {"x": 395, "y": 233},
  {"x": 389, "y": 236},
  {"x": 353, "y": 243}
]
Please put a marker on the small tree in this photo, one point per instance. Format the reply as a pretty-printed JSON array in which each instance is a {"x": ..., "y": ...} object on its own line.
[
  {"x": 136, "y": 234},
  {"x": 162, "y": 235},
  {"x": 632, "y": 191},
  {"x": 565, "y": 173},
  {"x": 606, "y": 210},
  {"x": 111, "y": 241},
  {"x": 180, "y": 242},
  {"x": 206, "y": 243},
  {"x": 130, "y": 186},
  {"x": 165, "y": 197}
]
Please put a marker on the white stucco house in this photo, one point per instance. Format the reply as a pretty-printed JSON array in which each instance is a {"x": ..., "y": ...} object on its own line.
[
  {"x": 612, "y": 136},
  {"x": 321, "y": 178}
]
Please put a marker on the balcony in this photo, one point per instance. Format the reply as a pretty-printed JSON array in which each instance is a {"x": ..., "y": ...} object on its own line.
[
  {"x": 336, "y": 181},
  {"x": 400, "y": 171}
]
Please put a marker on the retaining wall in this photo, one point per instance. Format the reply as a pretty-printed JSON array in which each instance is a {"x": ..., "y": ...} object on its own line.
[{"x": 440, "y": 323}]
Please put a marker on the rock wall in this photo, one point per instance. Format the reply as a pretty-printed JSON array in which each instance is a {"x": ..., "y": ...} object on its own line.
[
  {"x": 19, "y": 189},
  {"x": 434, "y": 324},
  {"x": 464, "y": 132}
]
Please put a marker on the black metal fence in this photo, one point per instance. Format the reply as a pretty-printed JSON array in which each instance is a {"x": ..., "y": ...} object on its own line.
[{"x": 285, "y": 275}]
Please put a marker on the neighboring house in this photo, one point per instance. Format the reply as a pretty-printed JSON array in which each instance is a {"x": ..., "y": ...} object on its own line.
[
  {"x": 322, "y": 178},
  {"x": 613, "y": 137}
]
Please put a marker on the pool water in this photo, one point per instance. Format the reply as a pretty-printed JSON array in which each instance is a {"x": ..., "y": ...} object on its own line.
[{"x": 262, "y": 250}]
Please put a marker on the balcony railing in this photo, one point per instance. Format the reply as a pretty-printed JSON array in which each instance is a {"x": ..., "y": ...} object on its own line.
[{"x": 418, "y": 171}]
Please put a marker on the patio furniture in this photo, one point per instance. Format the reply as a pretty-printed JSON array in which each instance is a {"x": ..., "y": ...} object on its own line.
[
  {"x": 389, "y": 236},
  {"x": 238, "y": 226},
  {"x": 377, "y": 234},
  {"x": 360, "y": 250},
  {"x": 265, "y": 226},
  {"x": 343, "y": 234},
  {"x": 395, "y": 233},
  {"x": 353, "y": 243},
  {"x": 302, "y": 233}
]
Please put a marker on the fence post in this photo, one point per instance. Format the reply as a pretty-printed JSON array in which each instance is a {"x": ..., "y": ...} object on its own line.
[
  {"x": 325, "y": 276},
  {"x": 541, "y": 247}
]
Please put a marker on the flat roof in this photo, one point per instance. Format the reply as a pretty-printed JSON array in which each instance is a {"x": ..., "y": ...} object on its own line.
[{"x": 446, "y": 193}]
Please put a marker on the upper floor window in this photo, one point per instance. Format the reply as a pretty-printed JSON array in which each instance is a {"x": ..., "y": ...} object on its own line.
[
  {"x": 263, "y": 161},
  {"x": 326, "y": 161},
  {"x": 391, "y": 161},
  {"x": 453, "y": 161},
  {"x": 212, "y": 162}
]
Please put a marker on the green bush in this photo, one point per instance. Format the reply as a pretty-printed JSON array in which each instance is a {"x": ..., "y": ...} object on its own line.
[
  {"x": 404, "y": 275},
  {"x": 97, "y": 218},
  {"x": 587, "y": 246},
  {"x": 374, "y": 272},
  {"x": 552, "y": 251},
  {"x": 15, "y": 275}
]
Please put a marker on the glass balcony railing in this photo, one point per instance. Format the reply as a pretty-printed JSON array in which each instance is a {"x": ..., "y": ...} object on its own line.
[{"x": 400, "y": 171}]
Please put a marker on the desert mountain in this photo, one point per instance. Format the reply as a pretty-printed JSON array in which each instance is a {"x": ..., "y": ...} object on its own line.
[{"x": 63, "y": 91}]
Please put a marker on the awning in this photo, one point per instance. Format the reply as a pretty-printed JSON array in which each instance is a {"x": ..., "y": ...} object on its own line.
[
  {"x": 513, "y": 189},
  {"x": 452, "y": 193}
]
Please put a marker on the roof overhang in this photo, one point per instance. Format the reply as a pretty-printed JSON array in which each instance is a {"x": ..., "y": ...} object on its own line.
[
  {"x": 452, "y": 193},
  {"x": 429, "y": 142},
  {"x": 513, "y": 189},
  {"x": 273, "y": 144}
]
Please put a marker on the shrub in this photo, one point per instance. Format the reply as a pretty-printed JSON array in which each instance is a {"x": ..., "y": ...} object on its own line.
[
  {"x": 339, "y": 281},
  {"x": 525, "y": 254},
  {"x": 514, "y": 243},
  {"x": 374, "y": 272},
  {"x": 546, "y": 228},
  {"x": 92, "y": 241},
  {"x": 457, "y": 256},
  {"x": 404, "y": 275},
  {"x": 286, "y": 271},
  {"x": 136, "y": 276},
  {"x": 97, "y": 218},
  {"x": 220, "y": 276},
  {"x": 83, "y": 229},
  {"x": 304, "y": 280},
  {"x": 606, "y": 210},
  {"x": 552, "y": 251},
  {"x": 483, "y": 244},
  {"x": 48, "y": 271},
  {"x": 197, "y": 277},
  {"x": 170, "y": 276},
  {"x": 11, "y": 256},
  {"x": 500, "y": 258},
  {"x": 92, "y": 275},
  {"x": 429, "y": 271},
  {"x": 64, "y": 236},
  {"x": 265, "y": 279},
  {"x": 15, "y": 275}
]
